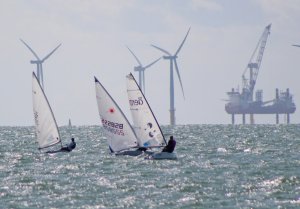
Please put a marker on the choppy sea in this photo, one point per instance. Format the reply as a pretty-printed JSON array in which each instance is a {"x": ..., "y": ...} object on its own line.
[{"x": 218, "y": 166}]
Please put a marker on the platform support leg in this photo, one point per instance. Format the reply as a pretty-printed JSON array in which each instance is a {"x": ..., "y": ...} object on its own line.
[
  {"x": 251, "y": 119},
  {"x": 244, "y": 119},
  {"x": 232, "y": 119},
  {"x": 277, "y": 118}
]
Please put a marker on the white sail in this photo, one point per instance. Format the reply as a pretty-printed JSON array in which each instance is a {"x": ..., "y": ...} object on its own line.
[
  {"x": 70, "y": 128},
  {"x": 46, "y": 127},
  {"x": 145, "y": 124},
  {"x": 119, "y": 132}
]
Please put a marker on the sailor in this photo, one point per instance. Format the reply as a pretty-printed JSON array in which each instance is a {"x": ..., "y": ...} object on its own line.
[
  {"x": 70, "y": 146},
  {"x": 142, "y": 149},
  {"x": 170, "y": 146}
]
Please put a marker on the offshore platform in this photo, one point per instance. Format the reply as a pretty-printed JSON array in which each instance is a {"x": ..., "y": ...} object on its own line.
[{"x": 243, "y": 102}]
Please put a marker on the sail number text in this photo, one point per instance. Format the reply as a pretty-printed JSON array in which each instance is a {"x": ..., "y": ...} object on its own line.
[{"x": 115, "y": 128}]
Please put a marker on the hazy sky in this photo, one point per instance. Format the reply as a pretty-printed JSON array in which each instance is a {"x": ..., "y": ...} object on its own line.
[{"x": 94, "y": 34}]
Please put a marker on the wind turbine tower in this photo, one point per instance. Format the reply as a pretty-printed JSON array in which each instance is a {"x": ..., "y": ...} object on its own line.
[
  {"x": 141, "y": 69},
  {"x": 39, "y": 62},
  {"x": 172, "y": 59}
]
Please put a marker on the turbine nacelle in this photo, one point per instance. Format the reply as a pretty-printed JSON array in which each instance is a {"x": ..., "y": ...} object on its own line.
[
  {"x": 35, "y": 61},
  {"x": 170, "y": 57},
  {"x": 138, "y": 68}
]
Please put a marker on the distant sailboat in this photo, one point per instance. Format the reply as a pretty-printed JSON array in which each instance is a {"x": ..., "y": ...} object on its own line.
[
  {"x": 70, "y": 128},
  {"x": 146, "y": 127},
  {"x": 46, "y": 127},
  {"x": 119, "y": 133},
  {"x": 70, "y": 124}
]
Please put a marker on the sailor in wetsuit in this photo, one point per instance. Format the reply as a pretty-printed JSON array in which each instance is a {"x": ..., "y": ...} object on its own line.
[
  {"x": 70, "y": 146},
  {"x": 170, "y": 146},
  {"x": 142, "y": 149}
]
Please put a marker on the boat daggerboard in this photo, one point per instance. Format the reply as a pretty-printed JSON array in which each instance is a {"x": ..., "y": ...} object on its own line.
[
  {"x": 146, "y": 126},
  {"x": 46, "y": 127},
  {"x": 119, "y": 133}
]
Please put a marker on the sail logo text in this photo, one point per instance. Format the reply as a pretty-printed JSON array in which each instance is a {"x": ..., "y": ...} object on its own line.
[{"x": 135, "y": 102}]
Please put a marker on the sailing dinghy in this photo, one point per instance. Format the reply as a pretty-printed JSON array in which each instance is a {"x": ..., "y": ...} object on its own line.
[
  {"x": 120, "y": 136},
  {"x": 146, "y": 127},
  {"x": 47, "y": 132}
]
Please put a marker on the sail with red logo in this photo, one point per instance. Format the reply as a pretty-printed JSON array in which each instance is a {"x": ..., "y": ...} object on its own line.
[{"x": 120, "y": 135}]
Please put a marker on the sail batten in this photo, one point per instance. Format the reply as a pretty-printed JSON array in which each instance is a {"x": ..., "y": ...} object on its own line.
[{"x": 46, "y": 127}]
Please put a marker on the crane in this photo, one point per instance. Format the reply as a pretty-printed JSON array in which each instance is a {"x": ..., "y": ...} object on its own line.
[
  {"x": 243, "y": 102},
  {"x": 254, "y": 65}
]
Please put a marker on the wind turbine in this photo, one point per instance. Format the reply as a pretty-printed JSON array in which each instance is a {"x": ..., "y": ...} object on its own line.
[
  {"x": 141, "y": 70},
  {"x": 172, "y": 59},
  {"x": 39, "y": 62}
]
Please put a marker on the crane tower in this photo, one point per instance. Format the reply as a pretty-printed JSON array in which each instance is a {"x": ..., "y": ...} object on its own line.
[{"x": 243, "y": 103}]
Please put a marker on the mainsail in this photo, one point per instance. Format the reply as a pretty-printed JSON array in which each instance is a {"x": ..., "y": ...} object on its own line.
[
  {"x": 46, "y": 127},
  {"x": 145, "y": 124},
  {"x": 119, "y": 132}
]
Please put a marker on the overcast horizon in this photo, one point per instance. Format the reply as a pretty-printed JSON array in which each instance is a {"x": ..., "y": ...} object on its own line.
[{"x": 94, "y": 35}]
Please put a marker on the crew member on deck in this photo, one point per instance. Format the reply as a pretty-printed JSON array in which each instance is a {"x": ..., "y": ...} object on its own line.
[
  {"x": 170, "y": 146},
  {"x": 142, "y": 149},
  {"x": 70, "y": 146}
]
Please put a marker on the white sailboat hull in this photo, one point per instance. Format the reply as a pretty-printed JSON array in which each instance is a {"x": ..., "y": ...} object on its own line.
[{"x": 130, "y": 153}]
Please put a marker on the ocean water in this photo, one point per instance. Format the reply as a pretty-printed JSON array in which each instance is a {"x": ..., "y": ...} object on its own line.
[{"x": 218, "y": 166}]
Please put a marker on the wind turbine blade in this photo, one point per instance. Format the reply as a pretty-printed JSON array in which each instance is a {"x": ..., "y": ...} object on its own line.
[
  {"x": 296, "y": 45},
  {"x": 182, "y": 42},
  {"x": 160, "y": 49},
  {"x": 144, "y": 90},
  {"x": 152, "y": 63},
  {"x": 51, "y": 53},
  {"x": 42, "y": 76},
  {"x": 134, "y": 56},
  {"x": 176, "y": 67},
  {"x": 30, "y": 49}
]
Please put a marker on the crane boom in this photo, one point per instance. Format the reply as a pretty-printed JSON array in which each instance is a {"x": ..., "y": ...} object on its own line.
[{"x": 254, "y": 64}]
